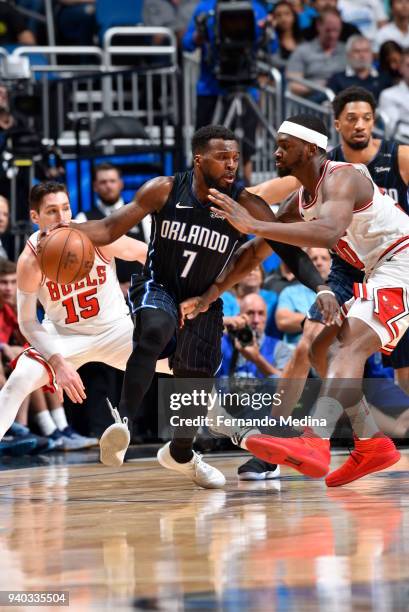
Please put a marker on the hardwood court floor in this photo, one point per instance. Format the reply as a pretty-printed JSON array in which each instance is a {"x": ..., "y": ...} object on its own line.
[{"x": 143, "y": 536}]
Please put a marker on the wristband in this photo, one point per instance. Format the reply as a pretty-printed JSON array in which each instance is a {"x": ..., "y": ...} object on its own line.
[{"x": 325, "y": 291}]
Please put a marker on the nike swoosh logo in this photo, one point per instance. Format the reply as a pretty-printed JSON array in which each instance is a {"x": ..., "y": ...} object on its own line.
[{"x": 179, "y": 205}]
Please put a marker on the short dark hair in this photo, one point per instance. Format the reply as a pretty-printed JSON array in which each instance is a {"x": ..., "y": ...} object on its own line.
[
  {"x": 331, "y": 10},
  {"x": 352, "y": 94},
  {"x": 38, "y": 192},
  {"x": 206, "y": 133},
  {"x": 7, "y": 267},
  {"x": 105, "y": 166}
]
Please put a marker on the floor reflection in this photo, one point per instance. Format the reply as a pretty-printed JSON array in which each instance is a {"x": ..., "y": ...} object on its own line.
[{"x": 135, "y": 537}]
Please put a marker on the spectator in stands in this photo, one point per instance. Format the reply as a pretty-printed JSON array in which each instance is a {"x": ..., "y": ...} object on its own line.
[
  {"x": 201, "y": 34},
  {"x": 390, "y": 59},
  {"x": 347, "y": 30},
  {"x": 172, "y": 14},
  {"x": 13, "y": 27},
  {"x": 295, "y": 301},
  {"x": 11, "y": 340},
  {"x": 253, "y": 283},
  {"x": 398, "y": 29},
  {"x": 264, "y": 357},
  {"x": 76, "y": 23},
  {"x": 4, "y": 223},
  {"x": 35, "y": 6},
  {"x": 320, "y": 58},
  {"x": 360, "y": 70},
  {"x": 288, "y": 31},
  {"x": 367, "y": 15},
  {"x": 394, "y": 101},
  {"x": 305, "y": 13},
  {"x": 280, "y": 279}
]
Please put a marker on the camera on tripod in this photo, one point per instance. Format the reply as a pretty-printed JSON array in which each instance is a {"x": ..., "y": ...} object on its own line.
[{"x": 234, "y": 58}]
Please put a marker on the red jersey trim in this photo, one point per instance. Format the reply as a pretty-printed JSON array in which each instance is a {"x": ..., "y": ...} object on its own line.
[
  {"x": 32, "y": 353},
  {"x": 104, "y": 259},
  {"x": 364, "y": 207},
  {"x": 393, "y": 246},
  {"x": 337, "y": 167},
  {"x": 313, "y": 201},
  {"x": 32, "y": 247}
]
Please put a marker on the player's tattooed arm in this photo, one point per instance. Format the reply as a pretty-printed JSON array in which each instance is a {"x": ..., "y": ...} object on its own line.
[{"x": 149, "y": 199}]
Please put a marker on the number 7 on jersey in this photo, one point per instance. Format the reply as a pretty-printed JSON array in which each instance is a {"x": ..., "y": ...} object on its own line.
[{"x": 191, "y": 256}]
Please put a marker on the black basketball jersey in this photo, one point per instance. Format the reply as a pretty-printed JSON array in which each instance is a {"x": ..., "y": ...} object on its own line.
[
  {"x": 384, "y": 170},
  {"x": 190, "y": 245}
]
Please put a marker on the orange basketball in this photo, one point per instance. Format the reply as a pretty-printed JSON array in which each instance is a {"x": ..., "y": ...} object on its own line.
[{"x": 66, "y": 255}]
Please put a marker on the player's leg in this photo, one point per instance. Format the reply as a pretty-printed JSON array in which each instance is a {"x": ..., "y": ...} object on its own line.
[
  {"x": 323, "y": 347},
  {"x": 342, "y": 390},
  {"x": 178, "y": 454},
  {"x": 153, "y": 331},
  {"x": 296, "y": 370},
  {"x": 197, "y": 356},
  {"x": 373, "y": 450}
]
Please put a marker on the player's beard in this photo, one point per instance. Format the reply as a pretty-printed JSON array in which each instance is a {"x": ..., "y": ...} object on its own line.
[
  {"x": 357, "y": 146},
  {"x": 212, "y": 183},
  {"x": 283, "y": 171}
]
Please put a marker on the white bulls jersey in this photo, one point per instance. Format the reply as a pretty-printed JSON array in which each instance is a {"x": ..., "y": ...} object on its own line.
[
  {"x": 378, "y": 228},
  {"x": 86, "y": 307}
]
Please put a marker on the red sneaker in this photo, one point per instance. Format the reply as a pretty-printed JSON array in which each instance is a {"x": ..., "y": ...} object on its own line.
[
  {"x": 369, "y": 456},
  {"x": 308, "y": 455}
]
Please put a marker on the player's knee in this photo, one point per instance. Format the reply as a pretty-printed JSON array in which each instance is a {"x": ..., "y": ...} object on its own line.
[
  {"x": 18, "y": 382},
  {"x": 155, "y": 331}
]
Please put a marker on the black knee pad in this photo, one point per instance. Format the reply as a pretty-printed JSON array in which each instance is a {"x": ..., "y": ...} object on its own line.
[{"x": 154, "y": 329}]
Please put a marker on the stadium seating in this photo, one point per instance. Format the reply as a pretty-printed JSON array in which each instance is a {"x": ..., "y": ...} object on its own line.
[{"x": 127, "y": 12}]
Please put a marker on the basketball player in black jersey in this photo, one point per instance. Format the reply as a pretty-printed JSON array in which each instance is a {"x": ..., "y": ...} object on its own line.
[{"x": 189, "y": 248}]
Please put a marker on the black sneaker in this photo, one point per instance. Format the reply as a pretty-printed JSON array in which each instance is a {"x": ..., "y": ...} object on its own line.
[{"x": 256, "y": 469}]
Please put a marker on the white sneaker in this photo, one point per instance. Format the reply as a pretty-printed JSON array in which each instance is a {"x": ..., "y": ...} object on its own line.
[
  {"x": 202, "y": 474},
  {"x": 115, "y": 440}
]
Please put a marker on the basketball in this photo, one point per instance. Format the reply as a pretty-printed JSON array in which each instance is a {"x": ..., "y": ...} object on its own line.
[{"x": 66, "y": 255}]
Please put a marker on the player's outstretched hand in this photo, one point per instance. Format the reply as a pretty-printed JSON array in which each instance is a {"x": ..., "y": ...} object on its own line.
[
  {"x": 232, "y": 211},
  {"x": 68, "y": 379},
  {"x": 327, "y": 305}
]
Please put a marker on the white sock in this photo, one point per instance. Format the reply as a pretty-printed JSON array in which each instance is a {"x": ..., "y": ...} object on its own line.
[
  {"x": 59, "y": 418},
  {"x": 45, "y": 422},
  {"x": 27, "y": 376},
  {"x": 327, "y": 409},
  {"x": 362, "y": 420}
]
